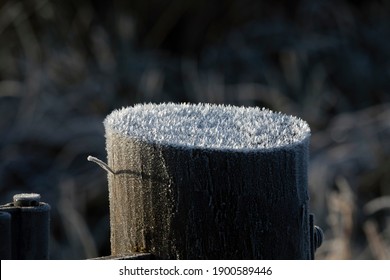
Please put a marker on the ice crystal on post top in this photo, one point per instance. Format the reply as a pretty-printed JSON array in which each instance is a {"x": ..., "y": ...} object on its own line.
[{"x": 208, "y": 126}]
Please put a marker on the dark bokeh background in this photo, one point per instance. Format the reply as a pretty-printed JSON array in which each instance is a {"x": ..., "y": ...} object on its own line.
[{"x": 65, "y": 65}]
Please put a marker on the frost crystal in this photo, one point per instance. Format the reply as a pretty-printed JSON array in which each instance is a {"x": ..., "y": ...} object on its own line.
[{"x": 208, "y": 126}]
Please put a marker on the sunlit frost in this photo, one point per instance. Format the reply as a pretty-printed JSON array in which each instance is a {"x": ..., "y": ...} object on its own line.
[{"x": 208, "y": 126}]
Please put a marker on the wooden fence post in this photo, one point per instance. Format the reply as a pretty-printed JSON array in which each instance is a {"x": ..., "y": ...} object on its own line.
[
  {"x": 25, "y": 226},
  {"x": 208, "y": 182},
  {"x": 5, "y": 236}
]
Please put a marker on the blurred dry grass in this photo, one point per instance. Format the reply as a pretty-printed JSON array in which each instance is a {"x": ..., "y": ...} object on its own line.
[{"x": 64, "y": 65}]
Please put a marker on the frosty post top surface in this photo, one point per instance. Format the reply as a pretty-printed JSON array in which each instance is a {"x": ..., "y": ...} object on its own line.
[{"x": 208, "y": 126}]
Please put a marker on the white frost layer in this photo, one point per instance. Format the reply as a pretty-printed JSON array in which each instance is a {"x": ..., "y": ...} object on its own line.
[{"x": 207, "y": 126}]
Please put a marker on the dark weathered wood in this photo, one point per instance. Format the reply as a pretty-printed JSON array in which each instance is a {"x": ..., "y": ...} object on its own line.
[
  {"x": 5, "y": 236},
  {"x": 180, "y": 202},
  {"x": 29, "y": 229}
]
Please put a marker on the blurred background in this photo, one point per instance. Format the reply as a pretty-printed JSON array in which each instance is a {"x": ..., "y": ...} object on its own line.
[{"x": 65, "y": 65}]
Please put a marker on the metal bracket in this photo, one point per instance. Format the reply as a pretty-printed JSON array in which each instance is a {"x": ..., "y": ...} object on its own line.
[
  {"x": 130, "y": 256},
  {"x": 316, "y": 236}
]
